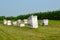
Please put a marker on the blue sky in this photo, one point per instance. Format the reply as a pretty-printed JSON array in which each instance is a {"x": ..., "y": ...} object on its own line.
[{"x": 18, "y": 7}]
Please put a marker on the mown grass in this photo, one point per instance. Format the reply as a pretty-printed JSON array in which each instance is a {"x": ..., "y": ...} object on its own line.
[{"x": 50, "y": 32}]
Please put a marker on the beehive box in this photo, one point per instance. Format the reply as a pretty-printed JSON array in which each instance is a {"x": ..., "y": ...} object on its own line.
[
  {"x": 18, "y": 22},
  {"x": 9, "y": 22},
  {"x": 45, "y": 22},
  {"x": 22, "y": 24},
  {"x": 33, "y": 22},
  {"x": 25, "y": 21},
  {"x": 14, "y": 23},
  {"x": 5, "y": 21}
]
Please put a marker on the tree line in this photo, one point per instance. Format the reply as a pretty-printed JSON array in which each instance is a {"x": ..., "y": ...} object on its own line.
[{"x": 52, "y": 15}]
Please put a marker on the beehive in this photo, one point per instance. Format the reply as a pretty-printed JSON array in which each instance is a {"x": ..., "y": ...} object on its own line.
[{"x": 33, "y": 22}]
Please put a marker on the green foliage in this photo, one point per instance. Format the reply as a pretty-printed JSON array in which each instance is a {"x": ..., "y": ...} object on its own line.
[
  {"x": 2, "y": 17},
  {"x": 11, "y": 18},
  {"x": 23, "y": 16},
  {"x": 52, "y": 15}
]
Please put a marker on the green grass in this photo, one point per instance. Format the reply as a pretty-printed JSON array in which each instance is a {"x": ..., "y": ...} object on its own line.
[{"x": 50, "y": 32}]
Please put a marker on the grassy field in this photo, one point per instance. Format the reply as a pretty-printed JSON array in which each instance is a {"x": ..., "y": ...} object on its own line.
[{"x": 50, "y": 32}]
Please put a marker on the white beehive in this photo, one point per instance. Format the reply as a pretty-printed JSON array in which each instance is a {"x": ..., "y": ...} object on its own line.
[
  {"x": 15, "y": 23},
  {"x": 5, "y": 21},
  {"x": 18, "y": 22},
  {"x": 33, "y": 22},
  {"x": 25, "y": 21},
  {"x": 9, "y": 22},
  {"x": 22, "y": 24},
  {"x": 45, "y": 22}
]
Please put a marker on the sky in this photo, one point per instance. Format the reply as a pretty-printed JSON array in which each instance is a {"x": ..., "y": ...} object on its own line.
[{"x": 21, "y": 7}]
